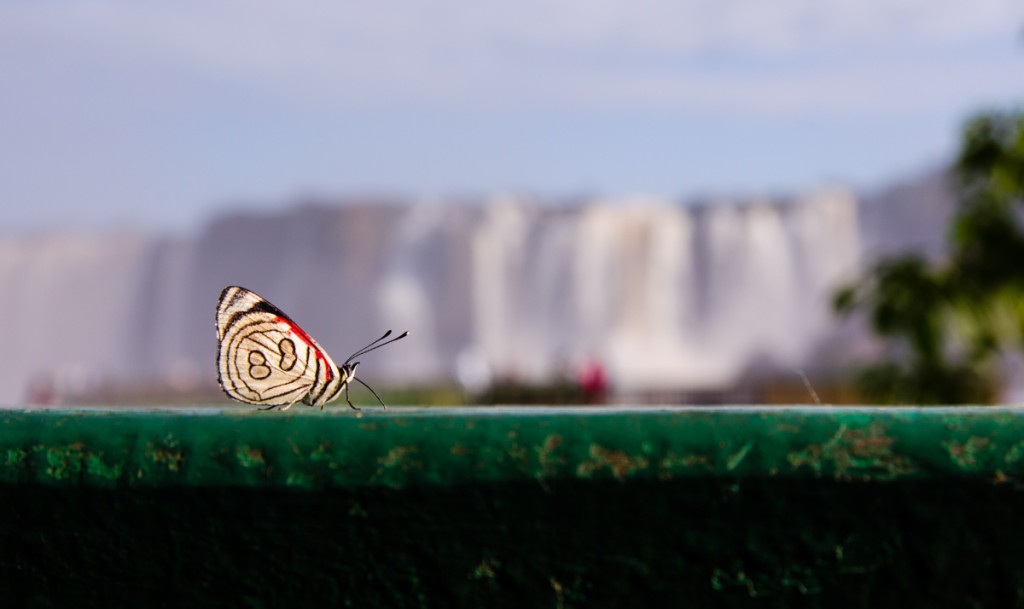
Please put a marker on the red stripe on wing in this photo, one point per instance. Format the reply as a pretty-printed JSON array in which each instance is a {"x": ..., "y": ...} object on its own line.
[{"x": 301, "y": 334}]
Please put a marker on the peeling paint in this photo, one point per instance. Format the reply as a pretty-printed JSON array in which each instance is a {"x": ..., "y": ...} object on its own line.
[
  {"x": 736, "y": 458},
  {"x": 1014, "y": 454},
  {"x": 550, "y": 456},
  {"x": 64, "y": 462},
  {"x": 854, "y": 452},
  {"x": 559, "y": 592},
  {"x": 403, "y": 457},
  {"x": 15, "y": 457},
  {"x": 169, "y": 457},
  {"x": 969, "y": 454},
  {"x": 671, "y": 461},
  {"x": 672, "y": 465},
  {"x": 96, "y": 466},
  {"x": 298, "y": 479},
  {"x": 621, "y": 464},
  {"x": 250, "y": 457},
  {"x": 517, "y": 451},
  {"x": 487, "y": 569},
  {"x": 571, "y": 594},
  {"x": 322, "y": 452},
  {"x": 537, "y": 444}
]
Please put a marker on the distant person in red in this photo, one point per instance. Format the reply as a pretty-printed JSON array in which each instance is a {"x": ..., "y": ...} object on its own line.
[
  {"x": 593, "y": 381},
  {"x": 42, "y": 391}
]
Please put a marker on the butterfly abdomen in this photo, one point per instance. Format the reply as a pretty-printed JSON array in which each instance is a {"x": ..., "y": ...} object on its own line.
[{"x": 326, "y": 384}]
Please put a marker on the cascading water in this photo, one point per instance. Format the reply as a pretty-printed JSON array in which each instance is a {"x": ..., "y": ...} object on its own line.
[{"x": 666, "y": 296}]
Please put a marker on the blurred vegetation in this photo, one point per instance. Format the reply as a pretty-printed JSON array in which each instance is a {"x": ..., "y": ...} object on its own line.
[
  {"x": 558, "y": 392},
  {"x": 948, "y": 325}
]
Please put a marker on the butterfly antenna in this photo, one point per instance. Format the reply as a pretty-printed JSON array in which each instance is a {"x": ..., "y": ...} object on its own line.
[
  {"x": 377, "y": 344},
  {"x": 371, "y": 388},
  {"x": 364, "y": 349}
]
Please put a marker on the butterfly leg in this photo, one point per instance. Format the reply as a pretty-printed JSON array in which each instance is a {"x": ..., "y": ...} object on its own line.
[
  {"x": 271, "y": 407},
  {"x": 291, "y": 404},
  {"x": 348, "y": 400}
]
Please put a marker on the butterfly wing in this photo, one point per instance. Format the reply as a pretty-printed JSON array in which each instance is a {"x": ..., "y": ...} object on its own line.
[{"x": 263, "y": 357}]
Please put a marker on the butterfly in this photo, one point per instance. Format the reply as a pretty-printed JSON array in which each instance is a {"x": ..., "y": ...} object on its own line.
[{"x": 265, "y": 358}]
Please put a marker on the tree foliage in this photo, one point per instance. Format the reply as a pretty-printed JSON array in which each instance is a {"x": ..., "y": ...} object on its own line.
[{"x": 948, "y": 323}]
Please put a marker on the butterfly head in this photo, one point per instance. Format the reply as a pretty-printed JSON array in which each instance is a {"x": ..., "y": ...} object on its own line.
[{"x": 348, "y": 371}]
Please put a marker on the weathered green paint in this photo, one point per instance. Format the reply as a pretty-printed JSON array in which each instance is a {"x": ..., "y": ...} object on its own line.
[
  {"x": 545, "y": 507},
  {"x": 399, "y": 447}
]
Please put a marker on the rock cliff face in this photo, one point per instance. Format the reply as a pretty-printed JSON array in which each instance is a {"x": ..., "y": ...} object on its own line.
[
  {"x": 667, "y": 296},
  {"x": 912, "y": 215}
]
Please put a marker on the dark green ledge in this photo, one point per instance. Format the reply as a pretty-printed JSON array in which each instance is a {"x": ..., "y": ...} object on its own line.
[
  {"x": 513, "y": 507},
  {"x": 340, "y": 448}
]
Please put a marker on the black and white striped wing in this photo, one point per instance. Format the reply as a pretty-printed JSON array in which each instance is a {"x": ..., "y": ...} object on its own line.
[{"x": 263, "y": 357}]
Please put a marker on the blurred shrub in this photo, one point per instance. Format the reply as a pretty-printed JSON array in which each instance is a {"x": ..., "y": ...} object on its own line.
[{"x": 947, "y": 324}]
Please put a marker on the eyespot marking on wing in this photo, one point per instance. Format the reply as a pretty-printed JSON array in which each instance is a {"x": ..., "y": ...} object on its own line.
[
  {"x": 288, "y": 357},
  {"x": 257, "y": 368}
]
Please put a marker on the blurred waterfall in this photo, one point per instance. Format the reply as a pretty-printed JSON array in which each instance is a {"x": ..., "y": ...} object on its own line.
[{"x": 667, "y": 296}]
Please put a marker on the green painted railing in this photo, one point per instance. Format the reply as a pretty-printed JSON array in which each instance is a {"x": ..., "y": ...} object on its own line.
[{"x": 518, "y": 507}]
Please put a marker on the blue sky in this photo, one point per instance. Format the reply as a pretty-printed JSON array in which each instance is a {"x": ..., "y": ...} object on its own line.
[{"x": 160, "y": 114}]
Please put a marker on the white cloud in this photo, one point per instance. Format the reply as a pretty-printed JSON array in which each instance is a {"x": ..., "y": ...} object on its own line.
[
  {"x": 746, "y": 55},
  {"x": 148, "y": 109}
]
